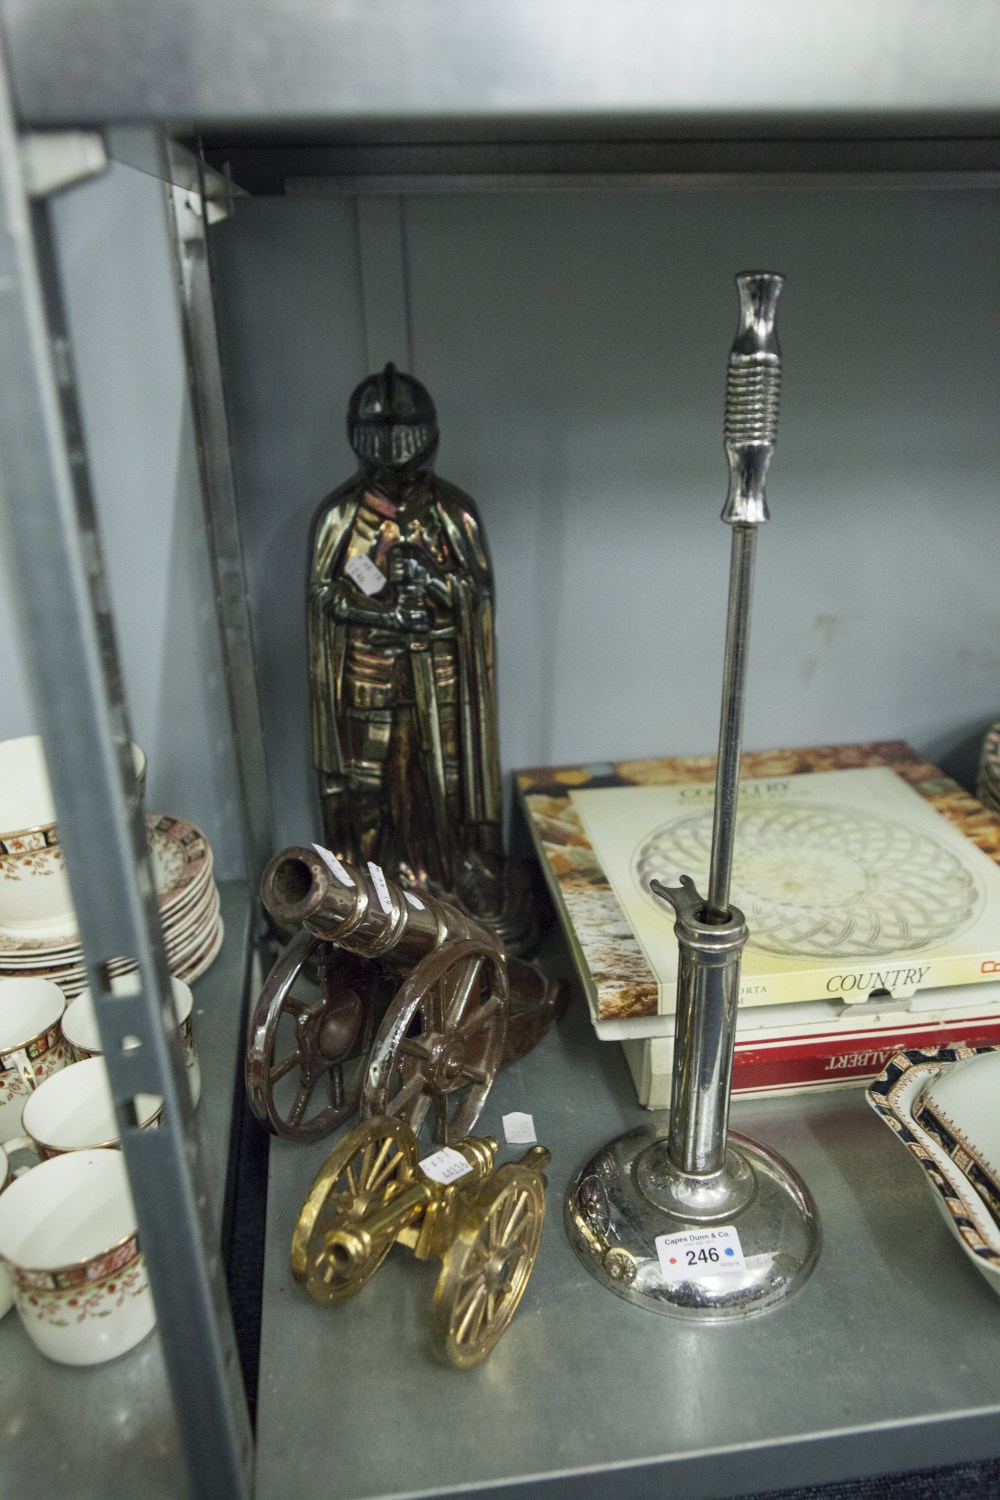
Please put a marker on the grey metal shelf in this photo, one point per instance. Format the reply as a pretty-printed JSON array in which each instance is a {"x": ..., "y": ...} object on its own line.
[
  {"x": 886, "y": 1360},
  {"x": 111, "y": 1430},
  {"x": 509, "y": 69}
]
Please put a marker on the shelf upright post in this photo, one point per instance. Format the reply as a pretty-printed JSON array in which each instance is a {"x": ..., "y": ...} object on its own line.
[
  {"x": 61, "y": 599},
  {"x": 190, "y": 210}
]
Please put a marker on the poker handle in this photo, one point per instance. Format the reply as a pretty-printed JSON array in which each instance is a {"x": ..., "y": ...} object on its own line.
[{"x": 753, "y": 390}]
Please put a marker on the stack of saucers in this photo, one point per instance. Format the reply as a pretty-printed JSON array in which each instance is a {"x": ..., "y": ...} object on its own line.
[
  {"x": 988, "y": 783},
  {"x": 189, "y": 912}
]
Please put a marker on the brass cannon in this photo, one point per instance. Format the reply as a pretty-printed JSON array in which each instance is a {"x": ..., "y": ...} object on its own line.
[
  {"x": 485, "y": 1225},
  {"x": 386, "y": 1000}
]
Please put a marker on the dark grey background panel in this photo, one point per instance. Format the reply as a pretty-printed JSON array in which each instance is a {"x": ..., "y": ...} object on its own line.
[
  {"x": 291, "y": 329},
  {"x": 552, "y": 63},
  {"x": 576, "y": 348}
]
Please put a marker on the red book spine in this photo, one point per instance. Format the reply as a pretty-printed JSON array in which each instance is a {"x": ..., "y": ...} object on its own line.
[{"x": 805, "y": 1062}]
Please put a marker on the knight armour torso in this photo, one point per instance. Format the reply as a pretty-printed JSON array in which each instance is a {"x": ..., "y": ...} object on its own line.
[
  {"x": 381, "y": 525},
  {"x": 377, "y": 671}
]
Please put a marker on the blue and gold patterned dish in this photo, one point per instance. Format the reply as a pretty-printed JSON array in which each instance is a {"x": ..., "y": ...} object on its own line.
[{"x": 898, "y": 1095}]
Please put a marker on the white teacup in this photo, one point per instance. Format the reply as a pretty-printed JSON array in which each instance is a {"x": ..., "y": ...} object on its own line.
[
  {"x": 79, "y": 1024},
  {"x": 35, "y": 898},
  {"x": 8, "y": 1172},
  {"x": 6, "y": 1290},
  {"x": 74, "y": 1110},
  {"x": 32, "y": 1046},
  {"x": 69, "y": 1240}
]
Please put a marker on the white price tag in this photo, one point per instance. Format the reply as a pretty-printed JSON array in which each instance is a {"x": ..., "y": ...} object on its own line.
[
  {"x": 414, "y": 901},
  {"x": 333, "y": 865},
  {"x": 381, "y": 889},
  {"x": 519, "y": 1129},
  {"x": 694, "y": 1254},
  {"x": 445, "y": 1165},
  {"x": 367, "y": 575}
]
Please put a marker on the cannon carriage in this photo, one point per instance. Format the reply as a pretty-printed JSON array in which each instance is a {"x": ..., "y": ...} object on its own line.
[{"x": 386, "y": 1001}]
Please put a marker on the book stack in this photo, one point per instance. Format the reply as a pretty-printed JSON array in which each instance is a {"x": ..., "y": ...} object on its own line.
[{"x": 868, "y": 878}]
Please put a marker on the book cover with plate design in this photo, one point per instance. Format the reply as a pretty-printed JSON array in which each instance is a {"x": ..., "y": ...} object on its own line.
[{"x": 860, "y": 868}]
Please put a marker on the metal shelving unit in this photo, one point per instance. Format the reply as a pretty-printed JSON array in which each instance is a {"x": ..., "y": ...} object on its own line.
[{"x": 377, "y": 99}]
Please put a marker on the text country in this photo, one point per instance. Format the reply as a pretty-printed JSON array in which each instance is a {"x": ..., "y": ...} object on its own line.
[{"x": 876, "y": 979}]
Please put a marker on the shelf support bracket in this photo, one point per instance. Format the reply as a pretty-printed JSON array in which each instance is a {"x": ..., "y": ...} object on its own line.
[{"x": 55, "y": 159}]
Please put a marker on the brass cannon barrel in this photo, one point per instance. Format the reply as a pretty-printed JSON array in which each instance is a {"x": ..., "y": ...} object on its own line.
[
  {"x": 358, "y": 1239},
  {"x": 349, "y": 1247},
  {"x": 371, "y": 916}
]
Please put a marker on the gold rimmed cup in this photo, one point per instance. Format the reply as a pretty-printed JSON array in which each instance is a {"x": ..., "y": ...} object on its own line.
[
  {"x": 69, "y": 1242},
  {"x": 74, "y": 1111},
  {"x": 32, "y": 1046},
  {"x": 79, "y": 1024},
  {"x": 6, "y": 1289}
]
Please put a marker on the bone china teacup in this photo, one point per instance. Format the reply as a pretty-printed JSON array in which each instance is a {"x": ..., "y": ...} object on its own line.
[
  {"x": 6, "y": 1290},
  {"x": 8, "y": 1172},
  {"x": 79, "y": 1024},
  {"x": 74, "y": 1110},
  {"x": 69, "y": 1242},
  {"x": 32, "y": 1046}
]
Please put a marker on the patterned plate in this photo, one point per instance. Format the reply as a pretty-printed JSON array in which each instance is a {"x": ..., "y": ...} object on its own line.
[
  {"x": 194, "y": 967},
  {"x": 71, "y": 978},
  {"x": 178, "y": 928},
  {"x": 199, "y": 916},
  {"x": 193, "y": 938},
  {"x": 894, "y": 1095},
  {"x": 189, "y": 938},
  {"x": 182, "y": 870},
  {"x": 182, "y": 859},
  {"x": 188, "y": 964}
]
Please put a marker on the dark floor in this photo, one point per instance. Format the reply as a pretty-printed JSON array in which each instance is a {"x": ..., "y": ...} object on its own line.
[{"x": 962, "y": 1482}]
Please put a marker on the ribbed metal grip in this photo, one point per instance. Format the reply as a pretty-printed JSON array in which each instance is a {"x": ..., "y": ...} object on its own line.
[
  {"x": 753, "y": 391},
  {"x": 753, "y": 394}
]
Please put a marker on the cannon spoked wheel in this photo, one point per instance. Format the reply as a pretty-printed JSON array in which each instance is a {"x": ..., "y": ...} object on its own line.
[
  {"x": 333, "y": 1254},
  {"x": 487, "y": 1266},
  {"x": 441, "y": 1041},
  {"x": 308, "y": 1040}
]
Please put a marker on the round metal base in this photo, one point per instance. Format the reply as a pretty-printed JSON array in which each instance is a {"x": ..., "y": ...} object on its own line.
[{"x": 613, "y": 1226}]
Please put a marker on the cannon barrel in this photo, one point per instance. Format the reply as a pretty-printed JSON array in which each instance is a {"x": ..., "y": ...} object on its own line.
[{"x": 371, "y": 915}]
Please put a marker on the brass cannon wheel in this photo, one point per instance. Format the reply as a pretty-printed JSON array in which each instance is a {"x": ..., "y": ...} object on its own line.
[
  {"x": 487, "y": 1267},
  {"x": 333, "y": 1253},
  {"x": 308, "y": 1040},
  {"x": 442, "y": 1039}
]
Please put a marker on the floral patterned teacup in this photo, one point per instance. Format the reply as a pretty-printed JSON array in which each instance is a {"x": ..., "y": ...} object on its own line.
[
  {"x": 32, "y": 1046},
  {"x": 35, "y": 898},
  {"x": 74, "y": 1110},
  {"x": 79, "y": 1024},
  {"x": 10, "y": 1168},
  {"x": 6, "y": 1290},
  {"x": 69, "y": 1241}
]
